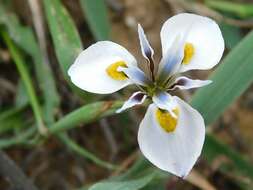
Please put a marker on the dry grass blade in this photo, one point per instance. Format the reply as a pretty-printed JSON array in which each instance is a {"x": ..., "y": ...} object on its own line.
[{"x": 199, "y": 180}]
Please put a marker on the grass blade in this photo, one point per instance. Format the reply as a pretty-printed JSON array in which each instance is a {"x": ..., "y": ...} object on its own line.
[
  {"x": 239, "y": 9},
  {"x": 85, "y": 114},
  {"x": 124, "y": 185},
  {"x": 230, "y": 80},
  {"x": 66, "y": 40},
  {"x": 232, "y": 35},
  {"x": 65, "y": 37},
  {"x": 11, "y": 118},
  {"x": 24, "y": 38},
  {"x": 27, "y": 81},
  {"x": 83, "y": 152},
  {"x": 21, "y": 138},
  {"x": 213, "y": 148},
  {"x": 97, "y": 18}
]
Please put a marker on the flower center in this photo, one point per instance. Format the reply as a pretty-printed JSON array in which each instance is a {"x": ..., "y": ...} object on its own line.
[
  {"x": 188, "y": 53},
  {"x": 166, "y": 120},
  {"x": 112, "y": 70}
]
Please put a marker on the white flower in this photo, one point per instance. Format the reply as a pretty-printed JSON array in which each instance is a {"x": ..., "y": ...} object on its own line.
[{"x": 172, "y": 133}]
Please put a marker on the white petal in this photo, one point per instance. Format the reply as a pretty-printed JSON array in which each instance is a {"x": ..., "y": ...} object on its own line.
[
  {"x": 172, "y": 59},
  {"x": 147, "y": 52},
  {"x": 136, "y": 75},
  {"x": 146, "y": 48},
  {"x": 89, "y": 69},
  {"x": 175, "y": 152},
  {"x": 164, "y": 101},
  {"x": 202, "y": 32},
  {"x": 136, "y": 99},
  {"x": 184, "y": 83}
]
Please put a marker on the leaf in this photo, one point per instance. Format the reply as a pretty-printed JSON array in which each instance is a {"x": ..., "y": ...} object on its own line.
[
  {"x": 242, "y": 10},
  {"x": 24, "y": 37},
  {"x": 213, "y": 148},
  {"x": 18, "y": 139},
  {"x": 85, "y": 114},
  {"x": 232, "y": 35},
  {"x": 11, "y": 118},
  {"x": 97, "y": 18},
  {"x": 65, "y": 37},
  {"x": 124, "y": 185},
  {"x": 21, "y": 98},
  {"x": 66, "y": 40},
  {"x": 23, "y": 71},
  {"x": 230, "y": 80},
  {"x": 72, "y": 145}
]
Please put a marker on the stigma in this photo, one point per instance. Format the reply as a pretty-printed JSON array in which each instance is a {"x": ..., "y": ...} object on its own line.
[
  {"x": 166, "y": 120},
  {"x": 112, "y": 70},
  {"x": 188, "y": 53}
]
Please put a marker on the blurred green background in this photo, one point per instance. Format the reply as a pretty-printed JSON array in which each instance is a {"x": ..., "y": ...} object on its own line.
[{"x": 63, "y": 138}]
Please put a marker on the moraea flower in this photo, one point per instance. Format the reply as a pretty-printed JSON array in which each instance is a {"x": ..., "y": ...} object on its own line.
[{"x": 172, "y": 133}]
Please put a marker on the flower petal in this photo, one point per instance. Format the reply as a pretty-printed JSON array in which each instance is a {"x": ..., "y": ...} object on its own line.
[
  {"x": 147, "y": 52},
  {"x": 172, "y": 59},
  {"x": 164, "y": 101},
  {"x": 202, "y": 32},
  {"x": 136, "y": 99},
  {"x": 184, "y": 83},
  {"x": 136, "y": 75},
  {"x": 177, "y": 151},
  {"x": 89, "y": 69},
  {"x": 146, "y": 48}
]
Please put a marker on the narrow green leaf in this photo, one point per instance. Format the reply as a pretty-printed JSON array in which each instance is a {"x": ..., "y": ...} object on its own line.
[
  {"x": 97, "y": 18},
  {"x": 18, "y": 139},
  {"x": 124, "y": 185},
  {"x": 10, "y": 113},
  {"x": 21, "y": 66},
  {"x": 213, "y": 148},
  {"x": 24, "y": 38},
  {"x": 11, "y": 118},
  {"x": 66, "y": 40},
  {"x": 230, "y": 80},
  {"x": 65, "y": 37},
  {"x": 85, "y": 114},
  {"x": 83, "y": 152},
  {"x": 242, "y": 10},
  {"x": 21, "y": 98},
  {"x": 232, "y": 35}
]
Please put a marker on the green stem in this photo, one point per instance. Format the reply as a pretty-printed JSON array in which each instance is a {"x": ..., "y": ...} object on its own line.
[
  {"x": 19, "y": 139},
  {"x": 83, "y": 152},
  {"x": 27, "y": 81}
]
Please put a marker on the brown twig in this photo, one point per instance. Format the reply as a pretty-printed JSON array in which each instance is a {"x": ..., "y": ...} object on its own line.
[
  {"x": 126, "y": 163},
  {"x": 39, "y": 27},
  {"x": 200, "y": 181},
  {"x": 109, "y": 137}
]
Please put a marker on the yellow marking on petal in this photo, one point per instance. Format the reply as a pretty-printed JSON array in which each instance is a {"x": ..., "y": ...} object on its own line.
[
  {"x": 166, "y": 120},
  {"x": 114, "y": 73},
  {"x": 188, "y": 53}
]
